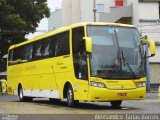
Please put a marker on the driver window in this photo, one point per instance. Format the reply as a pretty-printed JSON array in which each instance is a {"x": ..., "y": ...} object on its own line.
[{"x": 79, "y": 54}]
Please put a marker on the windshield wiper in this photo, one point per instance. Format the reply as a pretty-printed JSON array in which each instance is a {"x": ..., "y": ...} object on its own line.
[
  {"x": 118, "y": 62},
  {"x": 124, "y": 60}
]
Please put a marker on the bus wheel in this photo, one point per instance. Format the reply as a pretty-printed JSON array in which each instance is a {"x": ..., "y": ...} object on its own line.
[
  {"x": 21, "y": 97},
  {"x": 54, "y": 101},
  {"x": 70, "y": 97},
  {"x": 116, "y": 104}
]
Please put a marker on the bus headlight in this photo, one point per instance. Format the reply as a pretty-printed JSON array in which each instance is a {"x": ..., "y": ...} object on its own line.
[
  {"x": 97, "y": 84},
  {"x": 141, "y": 84}
]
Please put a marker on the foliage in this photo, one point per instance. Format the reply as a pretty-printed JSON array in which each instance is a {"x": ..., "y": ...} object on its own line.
[{"x": 19, "y": 18}]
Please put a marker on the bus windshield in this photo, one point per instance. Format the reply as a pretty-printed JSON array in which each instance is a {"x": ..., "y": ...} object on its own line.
[{"x": 117, "y": 52}]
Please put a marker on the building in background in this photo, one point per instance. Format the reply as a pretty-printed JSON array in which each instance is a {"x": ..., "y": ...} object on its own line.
[
  {"x": 149, "y": 24},
  {"x": 55, "y": 20},
  {"x": 144, "y": 14}
]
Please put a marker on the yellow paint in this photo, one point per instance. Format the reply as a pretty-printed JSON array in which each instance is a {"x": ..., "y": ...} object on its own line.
[
  {"x": 114, "y": 87},
  {"x": 47, "y": 74},
  {"x": 151, "y": 45},
  {"x": 88, "y": 41}
]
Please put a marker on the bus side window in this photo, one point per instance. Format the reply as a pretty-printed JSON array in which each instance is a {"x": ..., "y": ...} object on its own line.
[
  {"x": 28, "y": 52},
  {"x": 18, "y": 55},
  {"x": 37, "y": 50},
  {"x": 62, "y": 44},
  {"x": 56, "y": 48},
  {"x": 45, "y": 48},
  {"x": 52, "y": 47},
  {"x": 79, "y": 54}
]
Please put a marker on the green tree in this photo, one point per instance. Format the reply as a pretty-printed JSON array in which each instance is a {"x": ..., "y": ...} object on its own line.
[{"x": 19, "y": 18}]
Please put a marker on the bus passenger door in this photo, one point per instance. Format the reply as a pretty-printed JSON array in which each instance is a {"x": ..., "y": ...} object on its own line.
[{"x": 80, "y": 64}]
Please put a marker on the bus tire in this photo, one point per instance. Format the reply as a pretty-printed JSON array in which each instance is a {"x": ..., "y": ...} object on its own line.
[
  {"x": 116, "y": 104},
  {"x": 21, "y": 97},
  {"x": 54, "y": 101},
  {"x": 70, "y": 97}
]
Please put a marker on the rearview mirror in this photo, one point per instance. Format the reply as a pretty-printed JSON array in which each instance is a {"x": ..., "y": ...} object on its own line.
[
  {"x": 151, "y": 46},
  {"x": 88, "y": 42}
]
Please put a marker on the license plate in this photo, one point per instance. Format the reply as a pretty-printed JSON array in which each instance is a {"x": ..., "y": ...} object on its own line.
[{"x": 122, "y": 94}]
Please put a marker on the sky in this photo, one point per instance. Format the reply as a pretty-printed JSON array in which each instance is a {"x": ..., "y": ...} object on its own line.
[{"x": 43, "y": 25}]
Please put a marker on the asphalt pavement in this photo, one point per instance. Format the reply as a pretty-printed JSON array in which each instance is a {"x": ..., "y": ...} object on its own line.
[{"x": 41, "y": 108}]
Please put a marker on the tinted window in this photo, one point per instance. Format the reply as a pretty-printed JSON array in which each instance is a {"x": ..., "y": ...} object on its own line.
[
  {"x": 45, "y": 48},
  {"x": 62, "y": 44},
  {"x": 28, "y": 49},
  {"x": 53, "y": 46},
  {"x": 78, "y": 42},
  {"x": 79, "y": 53},
  {"x": 17, "y": 54},
  {"x": 37, "y": 50}
]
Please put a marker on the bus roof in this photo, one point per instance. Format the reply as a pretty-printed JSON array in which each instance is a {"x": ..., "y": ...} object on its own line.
[{"x": 62, "y": 29}]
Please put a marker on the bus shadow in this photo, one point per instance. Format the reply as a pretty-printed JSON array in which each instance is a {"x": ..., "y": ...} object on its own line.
[{"x": 85, "y": 105}]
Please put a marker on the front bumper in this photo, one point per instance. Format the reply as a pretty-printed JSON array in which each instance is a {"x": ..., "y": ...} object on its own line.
[{"x": 104, "y": 94}]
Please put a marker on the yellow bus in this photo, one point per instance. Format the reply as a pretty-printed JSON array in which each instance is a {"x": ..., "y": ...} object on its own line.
[{"x": 82, "y": 62}]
